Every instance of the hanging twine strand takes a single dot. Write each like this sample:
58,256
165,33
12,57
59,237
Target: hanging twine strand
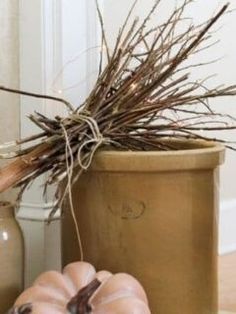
70,169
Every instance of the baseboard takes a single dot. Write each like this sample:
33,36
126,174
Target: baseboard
227,229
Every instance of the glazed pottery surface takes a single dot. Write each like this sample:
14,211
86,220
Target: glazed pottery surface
11,257
155,216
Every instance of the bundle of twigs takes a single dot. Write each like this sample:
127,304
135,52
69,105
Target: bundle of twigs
142,96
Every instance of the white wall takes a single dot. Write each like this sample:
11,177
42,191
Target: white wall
115,12
9,76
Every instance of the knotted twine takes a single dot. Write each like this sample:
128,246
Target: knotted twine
97,139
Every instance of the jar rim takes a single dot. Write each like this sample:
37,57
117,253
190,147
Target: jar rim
189,155
7,209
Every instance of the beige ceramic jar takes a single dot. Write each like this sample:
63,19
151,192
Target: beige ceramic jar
155,216
11,257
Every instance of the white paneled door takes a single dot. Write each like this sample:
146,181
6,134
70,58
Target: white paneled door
54,39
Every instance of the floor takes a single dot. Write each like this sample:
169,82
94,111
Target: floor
227,277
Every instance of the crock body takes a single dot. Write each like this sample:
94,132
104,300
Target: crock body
153,215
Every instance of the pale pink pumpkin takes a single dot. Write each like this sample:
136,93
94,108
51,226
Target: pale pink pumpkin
99,293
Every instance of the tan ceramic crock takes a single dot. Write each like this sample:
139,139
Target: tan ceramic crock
155,216
11,257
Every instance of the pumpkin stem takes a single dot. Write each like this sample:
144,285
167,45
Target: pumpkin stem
80,303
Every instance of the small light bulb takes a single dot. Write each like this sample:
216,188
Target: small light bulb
133,86
103,48
141,50
59,91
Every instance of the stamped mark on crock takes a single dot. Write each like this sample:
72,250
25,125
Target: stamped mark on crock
128,210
